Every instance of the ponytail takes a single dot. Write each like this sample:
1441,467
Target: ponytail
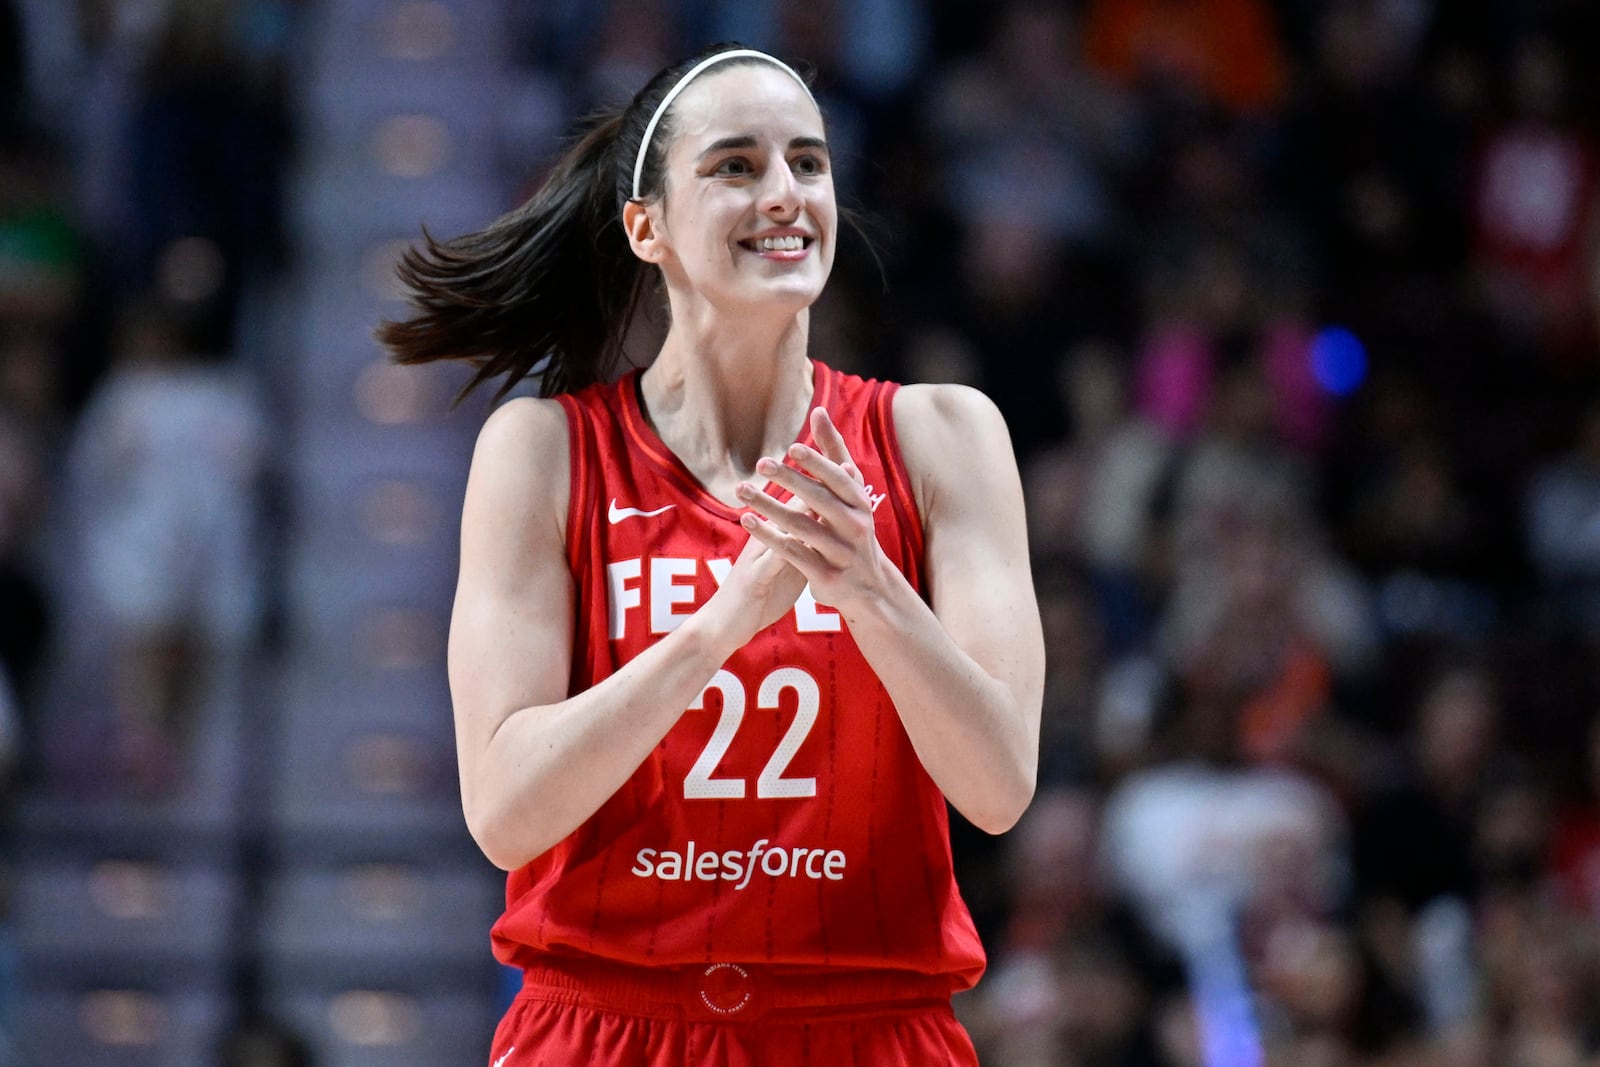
551,288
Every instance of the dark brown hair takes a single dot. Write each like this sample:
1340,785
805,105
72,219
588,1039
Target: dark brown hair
551,287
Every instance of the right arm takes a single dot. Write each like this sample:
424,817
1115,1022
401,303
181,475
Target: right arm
535,762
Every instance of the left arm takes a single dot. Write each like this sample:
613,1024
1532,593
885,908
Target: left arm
967,673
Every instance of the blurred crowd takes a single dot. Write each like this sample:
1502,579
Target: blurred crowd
140,171
1293,309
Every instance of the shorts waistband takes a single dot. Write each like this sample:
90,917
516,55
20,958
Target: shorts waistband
729,991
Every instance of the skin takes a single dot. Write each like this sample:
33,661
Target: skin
728,394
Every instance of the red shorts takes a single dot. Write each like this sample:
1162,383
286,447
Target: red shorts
727,1015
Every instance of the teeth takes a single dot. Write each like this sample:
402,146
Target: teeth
780,244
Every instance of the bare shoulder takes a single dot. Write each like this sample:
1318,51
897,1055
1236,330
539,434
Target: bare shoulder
520,463
950,433
943,408
524,423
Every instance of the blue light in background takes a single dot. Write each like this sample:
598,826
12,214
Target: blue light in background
1338,360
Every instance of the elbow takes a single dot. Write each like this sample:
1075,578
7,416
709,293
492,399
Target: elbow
504,859
1004,818
1005,808
1009,787
493,833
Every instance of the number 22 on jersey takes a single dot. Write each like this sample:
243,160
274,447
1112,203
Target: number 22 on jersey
701,782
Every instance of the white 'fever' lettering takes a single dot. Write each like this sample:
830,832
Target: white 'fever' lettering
619,595
667,591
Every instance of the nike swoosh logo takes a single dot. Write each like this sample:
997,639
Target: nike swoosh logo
501,1061
617,514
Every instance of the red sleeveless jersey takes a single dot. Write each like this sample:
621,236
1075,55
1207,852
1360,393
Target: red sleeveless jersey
784,819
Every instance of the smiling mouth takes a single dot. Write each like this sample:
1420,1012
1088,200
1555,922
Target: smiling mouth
792,243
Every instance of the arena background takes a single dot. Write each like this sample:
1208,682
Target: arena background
1292,308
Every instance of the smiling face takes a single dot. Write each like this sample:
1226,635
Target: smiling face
748,215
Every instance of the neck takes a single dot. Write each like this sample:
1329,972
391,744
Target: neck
722,397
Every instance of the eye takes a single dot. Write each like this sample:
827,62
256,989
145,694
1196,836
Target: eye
809,165
733,167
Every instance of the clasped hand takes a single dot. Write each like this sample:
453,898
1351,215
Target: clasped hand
826,529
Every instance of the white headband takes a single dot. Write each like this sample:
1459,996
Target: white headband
683,83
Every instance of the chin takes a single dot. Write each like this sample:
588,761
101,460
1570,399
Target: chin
799,292
769,300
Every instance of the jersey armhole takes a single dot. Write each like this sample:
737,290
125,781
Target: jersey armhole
901,497
580,461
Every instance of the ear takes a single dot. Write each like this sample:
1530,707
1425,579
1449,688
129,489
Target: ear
644,237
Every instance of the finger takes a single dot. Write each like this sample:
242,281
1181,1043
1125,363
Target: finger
789,516
830,501
837,478
785,546
752,547
829,440
761,556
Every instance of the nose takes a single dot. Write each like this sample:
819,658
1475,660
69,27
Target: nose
780,191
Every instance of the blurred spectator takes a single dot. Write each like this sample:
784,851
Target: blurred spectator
1376,146
1329,1001
176,116
1405,515
1074,651
1575,842
1027,134
95,107
1536,192
164,475
40,254
1259,611
1095,497
1004,307
1266,846
1208,332
1413,837
1541,970
1077,980
209,142
1226,52
1028,146
1511,836
1219,861
939,354
1562,517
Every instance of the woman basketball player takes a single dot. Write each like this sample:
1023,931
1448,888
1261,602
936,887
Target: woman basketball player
729,632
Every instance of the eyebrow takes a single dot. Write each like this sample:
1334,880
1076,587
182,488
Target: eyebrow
746,141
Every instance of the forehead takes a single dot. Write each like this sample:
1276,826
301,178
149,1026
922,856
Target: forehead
749,98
